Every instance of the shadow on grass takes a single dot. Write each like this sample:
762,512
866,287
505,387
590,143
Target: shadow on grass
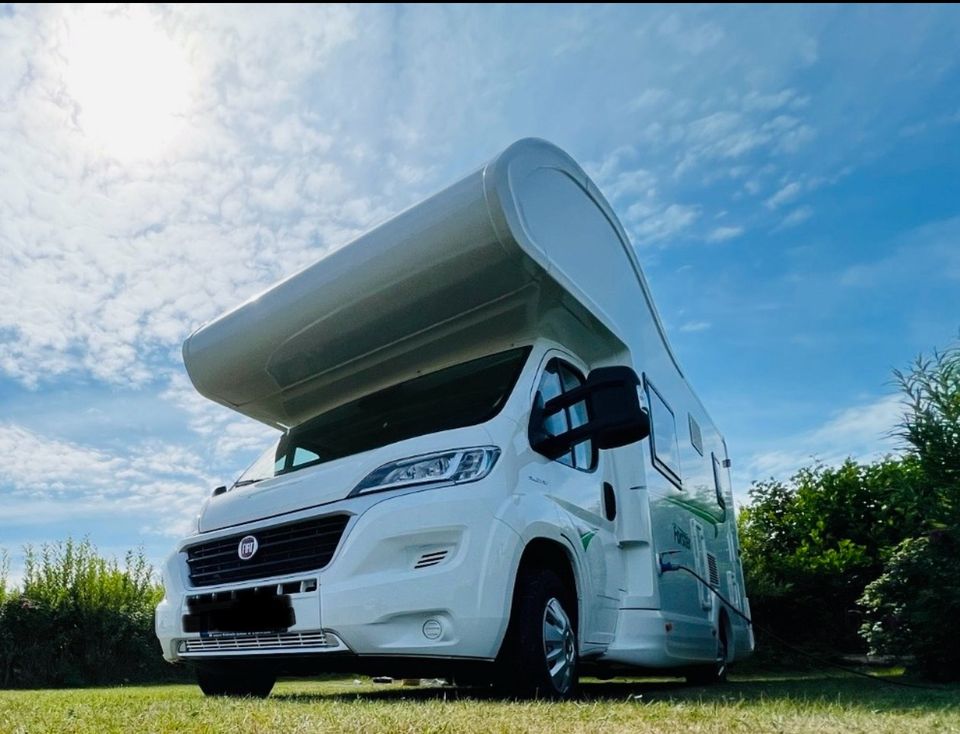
843,690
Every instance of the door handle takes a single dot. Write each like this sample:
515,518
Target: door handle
609,502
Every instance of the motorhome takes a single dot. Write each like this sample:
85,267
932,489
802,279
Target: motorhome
489,463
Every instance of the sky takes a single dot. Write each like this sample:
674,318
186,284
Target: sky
788,175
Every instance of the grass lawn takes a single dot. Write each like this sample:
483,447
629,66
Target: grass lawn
808,702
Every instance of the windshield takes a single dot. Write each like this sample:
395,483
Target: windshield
263,468
463,395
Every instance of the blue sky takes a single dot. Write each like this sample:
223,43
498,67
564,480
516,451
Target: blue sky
789,176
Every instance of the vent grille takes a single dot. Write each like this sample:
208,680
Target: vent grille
431,559
292,548
283,641
713,573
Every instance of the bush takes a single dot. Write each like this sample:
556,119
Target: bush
914,605
811,545
79,620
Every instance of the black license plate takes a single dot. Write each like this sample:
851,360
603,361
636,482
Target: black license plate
244,610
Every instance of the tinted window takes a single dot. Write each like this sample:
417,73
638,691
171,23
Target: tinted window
663,435
559,377
719,483
550,387
696,438
463,395
583,455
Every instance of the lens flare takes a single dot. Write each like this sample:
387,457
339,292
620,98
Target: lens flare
131,83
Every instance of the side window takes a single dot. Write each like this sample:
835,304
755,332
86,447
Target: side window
583,454
550,387
696,437
304,456
559,377
288,459
718,482
664,449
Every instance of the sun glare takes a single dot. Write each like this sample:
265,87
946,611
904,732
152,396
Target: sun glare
132,84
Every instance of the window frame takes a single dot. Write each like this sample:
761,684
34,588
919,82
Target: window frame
658,463
563,362
718,483
693,426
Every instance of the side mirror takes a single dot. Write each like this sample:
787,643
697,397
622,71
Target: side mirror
219,490
614,414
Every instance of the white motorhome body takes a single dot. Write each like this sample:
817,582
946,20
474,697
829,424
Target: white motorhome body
397,522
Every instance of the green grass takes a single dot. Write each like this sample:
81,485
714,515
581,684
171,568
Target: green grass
809,702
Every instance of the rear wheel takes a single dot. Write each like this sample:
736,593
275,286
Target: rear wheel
235,679
708,675
540,651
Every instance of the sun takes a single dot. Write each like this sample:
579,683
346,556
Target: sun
131,83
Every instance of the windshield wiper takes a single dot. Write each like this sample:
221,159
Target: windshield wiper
245,482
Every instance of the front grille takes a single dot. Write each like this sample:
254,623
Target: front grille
282,641
301,546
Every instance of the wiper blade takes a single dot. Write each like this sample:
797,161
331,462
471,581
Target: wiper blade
245,482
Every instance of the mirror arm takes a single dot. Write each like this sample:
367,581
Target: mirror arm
556,446
566,400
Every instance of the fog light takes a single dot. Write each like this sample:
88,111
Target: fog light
432,629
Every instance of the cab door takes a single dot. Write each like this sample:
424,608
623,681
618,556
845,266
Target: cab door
576,484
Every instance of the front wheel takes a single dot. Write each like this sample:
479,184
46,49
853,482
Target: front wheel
540,651
235,679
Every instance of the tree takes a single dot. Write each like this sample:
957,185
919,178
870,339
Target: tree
931,428
911,608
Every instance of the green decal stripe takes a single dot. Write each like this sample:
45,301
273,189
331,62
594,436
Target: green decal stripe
586,537
695,509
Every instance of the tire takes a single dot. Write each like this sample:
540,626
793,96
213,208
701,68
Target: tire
235,679
715,673
539,657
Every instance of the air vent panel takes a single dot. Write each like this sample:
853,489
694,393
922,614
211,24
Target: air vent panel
712,570
433,558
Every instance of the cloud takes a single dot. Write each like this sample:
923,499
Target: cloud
650,98
649,219
784,196
51,480
695,326
114,262
620,178
922,126
922,255
221,428
862,432
728,135
770,102
692,39
722,234
796,217
305,125
656,223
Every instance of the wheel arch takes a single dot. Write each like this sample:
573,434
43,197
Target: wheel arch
557,556
725,628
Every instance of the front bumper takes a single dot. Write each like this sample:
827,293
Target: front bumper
397,586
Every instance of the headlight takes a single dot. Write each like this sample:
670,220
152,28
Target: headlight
448,467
